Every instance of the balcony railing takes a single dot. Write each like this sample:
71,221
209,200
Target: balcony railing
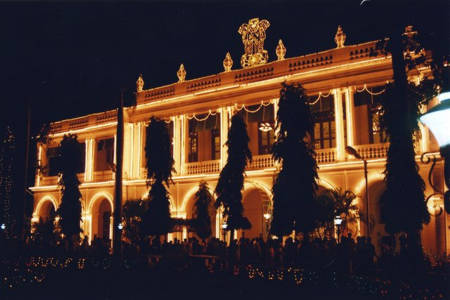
326,155
53,180
261,162
203,167
48,180
103,175
371,151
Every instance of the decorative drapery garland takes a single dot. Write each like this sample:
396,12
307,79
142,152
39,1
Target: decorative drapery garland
370,92
265,104
194,116
319,97
243,107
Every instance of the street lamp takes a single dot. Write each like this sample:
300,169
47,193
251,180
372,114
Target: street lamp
338,223
352,151
437,119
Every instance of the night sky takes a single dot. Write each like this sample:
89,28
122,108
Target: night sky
70,59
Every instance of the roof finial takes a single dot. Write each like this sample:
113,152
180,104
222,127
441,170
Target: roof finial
340,37
140,83
181,73
227,62
280,50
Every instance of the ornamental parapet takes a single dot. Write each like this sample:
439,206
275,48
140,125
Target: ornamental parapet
81,123
288,66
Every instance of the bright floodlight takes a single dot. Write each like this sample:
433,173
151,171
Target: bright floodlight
438,120
120,226
224,226
338,220
267,216
3,226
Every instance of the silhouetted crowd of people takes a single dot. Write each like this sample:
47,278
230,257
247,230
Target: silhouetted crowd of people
348,256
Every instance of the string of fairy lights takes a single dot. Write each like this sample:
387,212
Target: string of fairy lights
262,104
267,126
6,177
35,272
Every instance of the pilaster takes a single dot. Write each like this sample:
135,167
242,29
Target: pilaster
225,117
183,125
176,120
339,121
89,160
350,115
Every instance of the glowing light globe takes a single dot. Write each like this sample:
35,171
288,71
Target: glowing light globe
437,120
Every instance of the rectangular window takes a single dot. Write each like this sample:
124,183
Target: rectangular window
193,147
324,133
260,122
372,98
82,164
203,138
105,154
52,161
266,137
215,144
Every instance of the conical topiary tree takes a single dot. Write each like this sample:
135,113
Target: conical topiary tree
403,207
295,185
201,221
231,179
159,164
70,208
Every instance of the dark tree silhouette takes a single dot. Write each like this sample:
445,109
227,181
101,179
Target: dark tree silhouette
403,207
133,212
7,147
295,185
70,208
159,164
201,221
231,179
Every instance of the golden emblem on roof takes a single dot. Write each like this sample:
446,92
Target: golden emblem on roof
253,35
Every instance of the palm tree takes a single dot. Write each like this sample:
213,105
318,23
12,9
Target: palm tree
159,164
201,221
337,203
231,179
70,208
295,185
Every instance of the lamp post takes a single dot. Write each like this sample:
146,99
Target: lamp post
437,119
338,223
352,151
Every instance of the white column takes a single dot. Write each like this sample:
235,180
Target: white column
177,143
183,123
339,120
40,162
350,113
424,133
128,151
275,112
115,158
276,129
89,160
225,117
137,158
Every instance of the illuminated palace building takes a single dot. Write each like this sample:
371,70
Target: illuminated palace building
345,85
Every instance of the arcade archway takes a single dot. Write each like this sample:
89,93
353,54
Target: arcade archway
101,218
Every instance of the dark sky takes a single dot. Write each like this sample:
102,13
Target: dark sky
69,59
